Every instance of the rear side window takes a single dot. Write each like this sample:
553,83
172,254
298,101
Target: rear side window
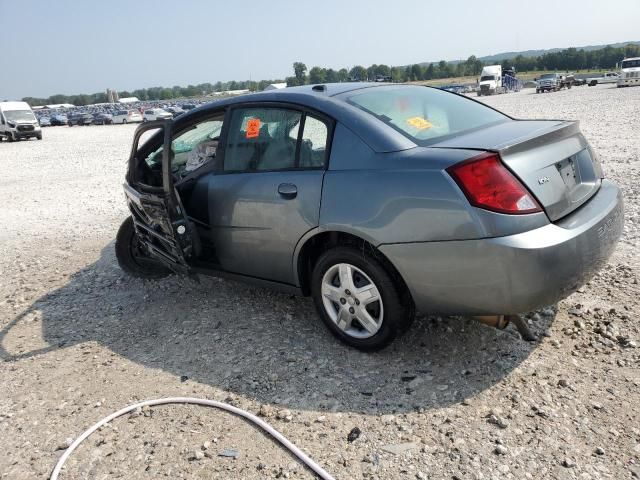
262,139
424,115
313,149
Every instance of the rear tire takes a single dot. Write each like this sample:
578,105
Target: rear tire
367,278
124,121
131,259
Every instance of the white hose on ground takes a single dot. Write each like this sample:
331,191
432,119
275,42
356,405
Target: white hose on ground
195,401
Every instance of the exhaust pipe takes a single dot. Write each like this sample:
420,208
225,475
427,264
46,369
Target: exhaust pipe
501,321
496,321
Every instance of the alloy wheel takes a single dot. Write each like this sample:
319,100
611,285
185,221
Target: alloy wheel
352,300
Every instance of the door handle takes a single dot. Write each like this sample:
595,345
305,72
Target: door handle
288,190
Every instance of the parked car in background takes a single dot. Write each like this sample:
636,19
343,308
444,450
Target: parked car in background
44,121
102,118
552,82
18,121
175,111
156,114
455,88
609,77
58,119
127,116
188,106
377,200
80,118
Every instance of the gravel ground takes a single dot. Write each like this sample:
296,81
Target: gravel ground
453,399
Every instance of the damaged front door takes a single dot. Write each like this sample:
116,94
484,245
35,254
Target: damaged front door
162,226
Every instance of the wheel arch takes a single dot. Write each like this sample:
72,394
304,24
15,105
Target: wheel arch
315,242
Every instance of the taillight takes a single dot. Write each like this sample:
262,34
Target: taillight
488,184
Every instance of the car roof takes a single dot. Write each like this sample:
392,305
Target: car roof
325,98
330,89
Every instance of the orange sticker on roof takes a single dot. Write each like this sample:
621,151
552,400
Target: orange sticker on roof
419,123
253,128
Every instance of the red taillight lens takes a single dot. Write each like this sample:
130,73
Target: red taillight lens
488,184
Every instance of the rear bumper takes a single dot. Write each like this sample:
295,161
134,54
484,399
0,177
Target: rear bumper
517,273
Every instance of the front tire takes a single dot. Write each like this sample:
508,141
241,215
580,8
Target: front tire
130,256
359,298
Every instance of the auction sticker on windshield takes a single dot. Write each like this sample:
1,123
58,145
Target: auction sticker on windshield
419,123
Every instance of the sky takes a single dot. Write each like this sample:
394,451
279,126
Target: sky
80,46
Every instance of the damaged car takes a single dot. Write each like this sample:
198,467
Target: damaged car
377,200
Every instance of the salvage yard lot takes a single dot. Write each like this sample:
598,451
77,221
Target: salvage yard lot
451,399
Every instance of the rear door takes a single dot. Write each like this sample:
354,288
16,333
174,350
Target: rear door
268,195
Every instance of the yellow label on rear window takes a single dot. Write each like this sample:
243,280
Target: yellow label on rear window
419,123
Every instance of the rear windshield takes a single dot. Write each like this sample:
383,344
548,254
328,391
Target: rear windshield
549,75
424,114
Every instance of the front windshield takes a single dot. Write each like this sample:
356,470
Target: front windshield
631,63
424,114
19,116
548,75
486,78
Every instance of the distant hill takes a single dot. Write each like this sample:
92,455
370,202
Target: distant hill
498,57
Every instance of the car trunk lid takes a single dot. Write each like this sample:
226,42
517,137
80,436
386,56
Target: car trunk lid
552,158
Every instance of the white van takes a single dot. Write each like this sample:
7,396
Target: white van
18,121
126,116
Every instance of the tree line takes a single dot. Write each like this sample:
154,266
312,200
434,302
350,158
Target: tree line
568,59
573,59
442,69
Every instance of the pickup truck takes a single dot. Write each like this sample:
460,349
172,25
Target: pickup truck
552,82
609,77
